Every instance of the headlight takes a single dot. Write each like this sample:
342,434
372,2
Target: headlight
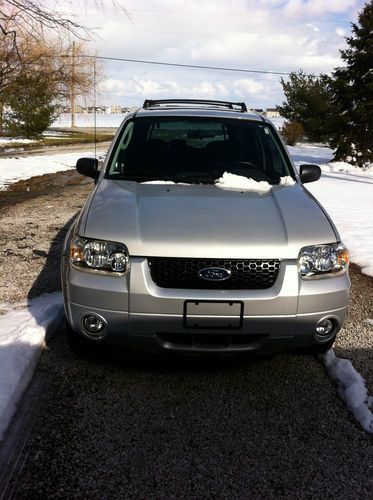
322,260
97,254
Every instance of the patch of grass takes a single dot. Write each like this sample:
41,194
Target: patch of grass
63,140
76,138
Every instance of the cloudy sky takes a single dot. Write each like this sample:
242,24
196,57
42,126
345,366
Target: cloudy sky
271,35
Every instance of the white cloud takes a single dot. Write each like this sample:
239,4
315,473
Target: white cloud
315,28
277,35
140,88
340,32
318,7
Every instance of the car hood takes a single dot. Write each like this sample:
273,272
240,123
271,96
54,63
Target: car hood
174,220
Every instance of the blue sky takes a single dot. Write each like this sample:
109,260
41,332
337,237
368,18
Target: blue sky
277,35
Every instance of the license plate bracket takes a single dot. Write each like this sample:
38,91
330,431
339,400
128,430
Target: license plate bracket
208,314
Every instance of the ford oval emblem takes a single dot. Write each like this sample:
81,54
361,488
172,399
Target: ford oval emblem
214,274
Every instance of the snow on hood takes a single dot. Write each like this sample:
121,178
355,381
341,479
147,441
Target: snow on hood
242,183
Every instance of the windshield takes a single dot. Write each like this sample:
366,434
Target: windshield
197,150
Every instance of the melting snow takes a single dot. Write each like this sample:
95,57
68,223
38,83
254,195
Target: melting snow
18,140
22,332
351,388
25,167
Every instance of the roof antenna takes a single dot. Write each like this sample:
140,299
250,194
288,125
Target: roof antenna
94,107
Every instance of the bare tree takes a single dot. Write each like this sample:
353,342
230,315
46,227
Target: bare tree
76,73
36,20
83,74
36,17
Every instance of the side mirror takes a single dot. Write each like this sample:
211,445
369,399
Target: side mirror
309,173
88,167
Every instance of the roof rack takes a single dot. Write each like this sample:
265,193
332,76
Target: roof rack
234,106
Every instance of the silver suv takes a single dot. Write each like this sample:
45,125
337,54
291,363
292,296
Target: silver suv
199,236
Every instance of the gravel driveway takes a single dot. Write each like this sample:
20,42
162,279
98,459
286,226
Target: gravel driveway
125,425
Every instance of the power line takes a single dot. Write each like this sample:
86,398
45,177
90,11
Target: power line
243,14
196,66
198,33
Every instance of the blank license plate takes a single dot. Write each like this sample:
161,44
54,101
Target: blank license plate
205,314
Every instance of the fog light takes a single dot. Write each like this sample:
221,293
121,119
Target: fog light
93,324
324,327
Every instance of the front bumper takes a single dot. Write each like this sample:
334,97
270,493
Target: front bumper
138,313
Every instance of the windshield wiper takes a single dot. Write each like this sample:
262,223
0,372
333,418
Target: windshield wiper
197,177
188,177
139,177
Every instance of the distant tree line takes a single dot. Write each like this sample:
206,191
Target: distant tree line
337,109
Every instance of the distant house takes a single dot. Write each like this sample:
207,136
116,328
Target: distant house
114,110
272,113
259,111
99,110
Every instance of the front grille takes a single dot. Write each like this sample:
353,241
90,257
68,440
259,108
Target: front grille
246,274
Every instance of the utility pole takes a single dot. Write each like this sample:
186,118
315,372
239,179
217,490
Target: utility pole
72,87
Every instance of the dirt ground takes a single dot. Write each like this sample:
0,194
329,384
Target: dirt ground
34,217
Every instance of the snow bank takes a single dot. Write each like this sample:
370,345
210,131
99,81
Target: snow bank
351,388
342,166
278,122
239,182
22,333
25,167
19,140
